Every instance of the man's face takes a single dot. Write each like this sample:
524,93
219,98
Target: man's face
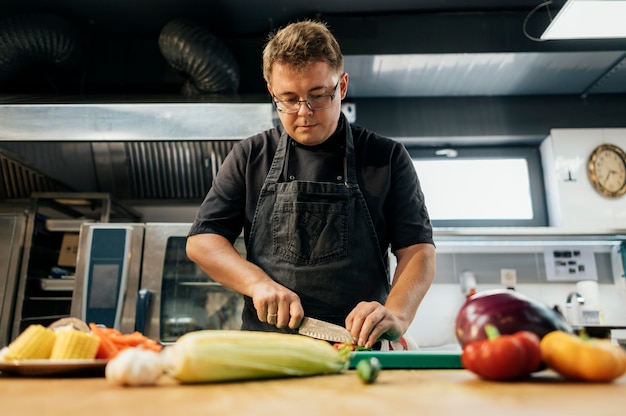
308,127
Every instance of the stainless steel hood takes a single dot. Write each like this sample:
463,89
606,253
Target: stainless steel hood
133,122
152,151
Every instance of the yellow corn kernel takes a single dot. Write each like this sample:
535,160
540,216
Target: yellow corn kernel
35,342
221,355
71,344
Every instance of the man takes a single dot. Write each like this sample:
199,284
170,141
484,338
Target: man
320,202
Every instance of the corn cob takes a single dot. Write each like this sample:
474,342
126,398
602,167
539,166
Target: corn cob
72,344
223,355
35,342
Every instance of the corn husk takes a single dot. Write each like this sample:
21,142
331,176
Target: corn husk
223,355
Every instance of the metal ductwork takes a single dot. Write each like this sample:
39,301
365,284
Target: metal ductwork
37,38
199,56
161,170
19,181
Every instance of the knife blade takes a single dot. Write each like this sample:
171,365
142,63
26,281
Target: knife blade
316,328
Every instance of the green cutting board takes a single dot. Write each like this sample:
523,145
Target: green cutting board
410,359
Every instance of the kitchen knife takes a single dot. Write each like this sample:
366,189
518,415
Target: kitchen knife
315,328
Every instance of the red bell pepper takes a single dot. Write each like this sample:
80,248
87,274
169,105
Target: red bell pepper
503,357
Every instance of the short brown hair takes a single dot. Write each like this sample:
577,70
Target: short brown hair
300,44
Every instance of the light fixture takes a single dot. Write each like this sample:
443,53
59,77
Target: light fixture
588,19
447,152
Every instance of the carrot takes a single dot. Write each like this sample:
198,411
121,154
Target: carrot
106,349
152,345
113,341
134,339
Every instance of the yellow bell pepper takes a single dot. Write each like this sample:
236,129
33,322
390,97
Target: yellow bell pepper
583,358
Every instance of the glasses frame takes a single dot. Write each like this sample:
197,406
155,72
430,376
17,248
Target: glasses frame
277,102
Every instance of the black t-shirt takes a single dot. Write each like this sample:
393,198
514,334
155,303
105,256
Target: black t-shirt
385,174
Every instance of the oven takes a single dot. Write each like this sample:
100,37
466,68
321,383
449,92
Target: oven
138,277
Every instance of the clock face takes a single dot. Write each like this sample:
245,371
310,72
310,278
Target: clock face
607,170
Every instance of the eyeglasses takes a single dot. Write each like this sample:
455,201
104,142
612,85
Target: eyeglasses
314,103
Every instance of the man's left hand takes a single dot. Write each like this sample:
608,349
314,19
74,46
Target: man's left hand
370,321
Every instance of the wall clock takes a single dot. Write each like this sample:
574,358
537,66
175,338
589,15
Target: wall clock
607,170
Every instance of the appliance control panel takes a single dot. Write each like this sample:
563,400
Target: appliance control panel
105,284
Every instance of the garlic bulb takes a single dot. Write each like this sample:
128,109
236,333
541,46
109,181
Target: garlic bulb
135,367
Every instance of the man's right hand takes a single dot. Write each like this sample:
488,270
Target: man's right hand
277,305
216,256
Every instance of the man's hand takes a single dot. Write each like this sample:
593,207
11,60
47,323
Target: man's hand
216,256
277,305
414,273
370,321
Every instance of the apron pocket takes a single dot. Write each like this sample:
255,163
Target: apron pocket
309,233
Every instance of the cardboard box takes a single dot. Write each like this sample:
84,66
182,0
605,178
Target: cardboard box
69,250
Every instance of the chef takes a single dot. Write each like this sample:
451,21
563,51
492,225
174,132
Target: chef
320,202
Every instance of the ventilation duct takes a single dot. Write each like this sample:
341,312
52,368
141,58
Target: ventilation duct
167,170
196,54
37,38
161,170
19,181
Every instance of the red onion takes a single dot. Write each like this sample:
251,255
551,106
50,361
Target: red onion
507,310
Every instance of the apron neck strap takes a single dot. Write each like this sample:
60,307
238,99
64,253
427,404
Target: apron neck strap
278,163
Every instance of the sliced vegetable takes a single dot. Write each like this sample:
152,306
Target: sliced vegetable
368,369
349,346
503,357
35,342
107,349
72,344
583,358
113,341
224,355
69,321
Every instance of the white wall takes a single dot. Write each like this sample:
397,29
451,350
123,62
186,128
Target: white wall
574,203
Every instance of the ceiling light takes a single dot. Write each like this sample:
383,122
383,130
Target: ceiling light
588,19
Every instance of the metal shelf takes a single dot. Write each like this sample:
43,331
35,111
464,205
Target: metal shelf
82,206
68,226
528,236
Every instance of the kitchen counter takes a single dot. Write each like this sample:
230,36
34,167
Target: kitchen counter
396,392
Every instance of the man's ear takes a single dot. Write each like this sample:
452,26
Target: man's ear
344,90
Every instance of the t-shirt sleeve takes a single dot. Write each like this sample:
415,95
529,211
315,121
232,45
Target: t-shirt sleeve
222,211
409,221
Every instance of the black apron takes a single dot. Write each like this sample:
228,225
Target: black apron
317,239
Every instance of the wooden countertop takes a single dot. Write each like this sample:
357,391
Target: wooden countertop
396,392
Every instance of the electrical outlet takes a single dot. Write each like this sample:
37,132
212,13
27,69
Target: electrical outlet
508,277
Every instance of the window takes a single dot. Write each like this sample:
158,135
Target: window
482,187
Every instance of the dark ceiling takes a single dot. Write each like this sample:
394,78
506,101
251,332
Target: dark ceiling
452,46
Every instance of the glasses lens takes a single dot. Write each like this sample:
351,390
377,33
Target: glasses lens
320,103
289,106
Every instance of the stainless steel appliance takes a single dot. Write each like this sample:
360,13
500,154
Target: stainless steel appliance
108,266
142,280
12,232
